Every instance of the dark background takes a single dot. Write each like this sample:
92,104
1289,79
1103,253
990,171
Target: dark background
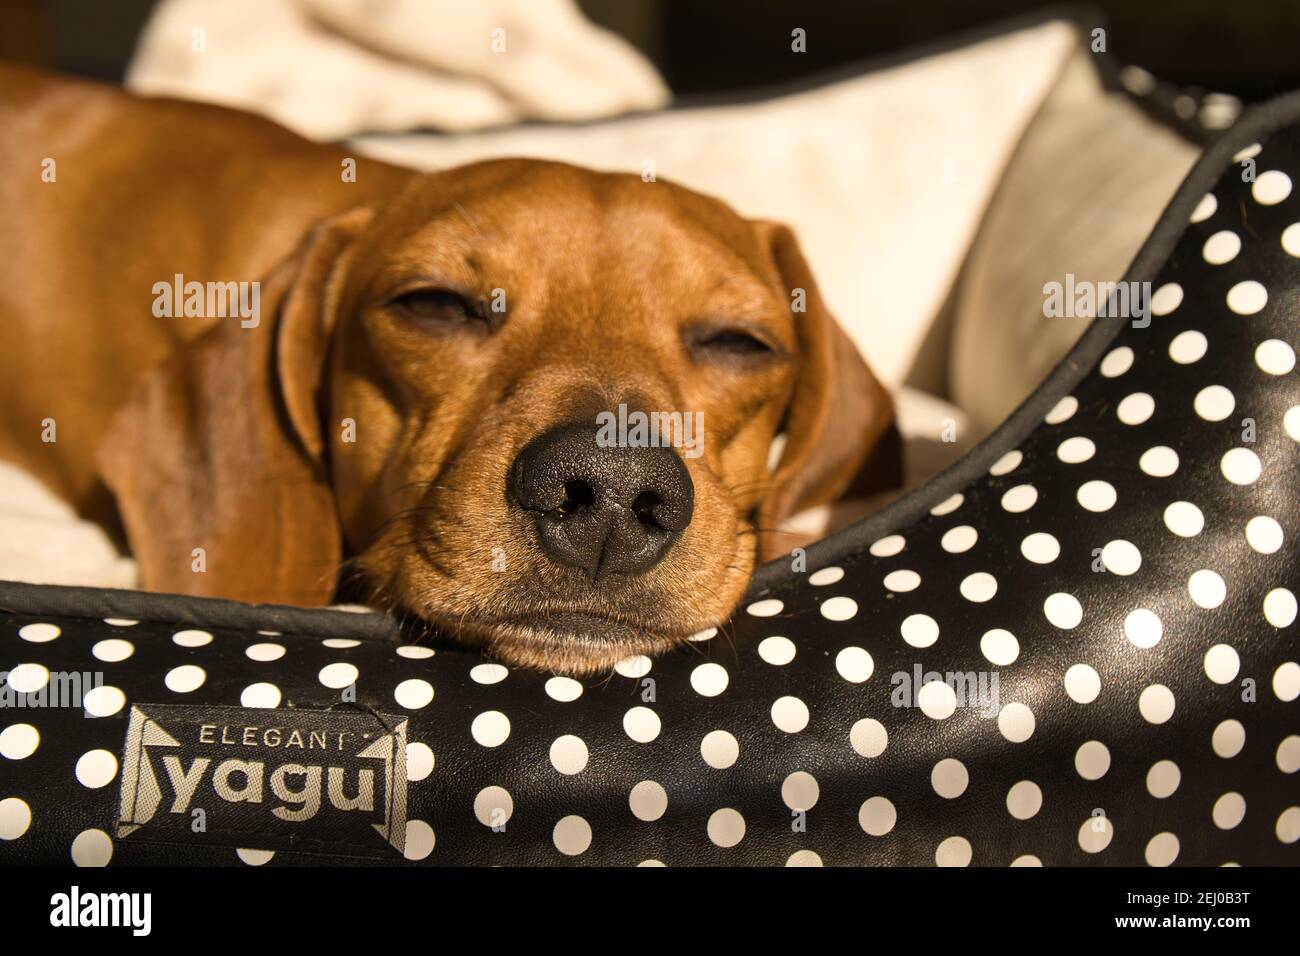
1247,47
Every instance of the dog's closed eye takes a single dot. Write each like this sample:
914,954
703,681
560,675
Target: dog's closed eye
726,343
443,309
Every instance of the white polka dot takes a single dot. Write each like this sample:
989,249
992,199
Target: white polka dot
708,634
1206,589
1280,607
1027,859
959,540
1221,663
839,608
868,737
826,576
1121,557
572,835
709,680
1166,298
937,700
1000,647
1143,628
493,806
1040,548
1082,683
414,652
979,587
887,547
264,652
1247,298
1286,682
103,701
184,679
1247,153
120,622
1228,739
419,761
1188,347
19,741
92,848
790,714
569,754
1136,408
1007,463
652,863
1020,498
854,664
719,749
1117,362
96,768
1063,610
15,818
726,827
254,857
413,694
1214,403
767,608
648,801
1159,462
804,858
340,643
488,673
1062,411
1076,450
919,630
642,724
1229,810
1156,704
1275,357
1162,850
39,633
338,675
1184,519
564,689
799,791
1288,754
877,816
28,678
1016,723
1271,187
490,728
420,840
777,650
113,650
902,580
192,638
1092,760
954,851
1288,825
635,667
1163,779
1024,800
260,695
1291,239
1096,496
949,778
1205,208
948,505
1221,247
1095,834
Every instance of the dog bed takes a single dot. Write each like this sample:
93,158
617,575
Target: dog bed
1076,646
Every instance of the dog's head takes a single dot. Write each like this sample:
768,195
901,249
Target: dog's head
533,403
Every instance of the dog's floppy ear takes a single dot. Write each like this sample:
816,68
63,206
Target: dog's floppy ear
839,425
220,448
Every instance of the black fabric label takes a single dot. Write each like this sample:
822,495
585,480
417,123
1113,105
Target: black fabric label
323,781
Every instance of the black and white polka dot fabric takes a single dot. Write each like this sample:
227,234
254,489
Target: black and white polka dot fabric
1079,647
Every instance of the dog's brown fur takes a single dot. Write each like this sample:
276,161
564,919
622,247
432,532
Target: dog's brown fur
200,433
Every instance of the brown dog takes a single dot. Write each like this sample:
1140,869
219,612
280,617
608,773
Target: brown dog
415,393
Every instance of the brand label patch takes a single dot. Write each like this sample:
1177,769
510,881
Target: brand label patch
310,780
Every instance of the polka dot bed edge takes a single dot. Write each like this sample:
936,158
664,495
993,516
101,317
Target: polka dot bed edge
1078,647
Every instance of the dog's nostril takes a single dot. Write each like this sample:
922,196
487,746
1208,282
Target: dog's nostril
578,494
643,507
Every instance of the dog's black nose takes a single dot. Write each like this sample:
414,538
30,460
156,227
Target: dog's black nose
602,509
